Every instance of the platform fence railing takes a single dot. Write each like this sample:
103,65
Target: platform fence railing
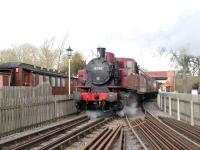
29,107
185,107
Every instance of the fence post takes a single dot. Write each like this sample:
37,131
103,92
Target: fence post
158,100
178,108
161,102
22,114
191,112
165,106
170,106
55,107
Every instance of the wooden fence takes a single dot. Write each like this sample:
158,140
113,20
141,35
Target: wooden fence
27,107
185,107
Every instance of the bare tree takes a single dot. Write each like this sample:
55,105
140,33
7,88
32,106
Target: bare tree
7,55
22,53
195,65
26,53
47,54
60,52
182,60
93,53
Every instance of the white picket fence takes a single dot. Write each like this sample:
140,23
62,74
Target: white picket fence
27,107
185,107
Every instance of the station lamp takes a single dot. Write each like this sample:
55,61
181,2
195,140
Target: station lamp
69,54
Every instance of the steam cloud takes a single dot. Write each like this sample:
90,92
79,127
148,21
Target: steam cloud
97,113
131,108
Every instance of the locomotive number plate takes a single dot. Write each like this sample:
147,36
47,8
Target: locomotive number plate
98,68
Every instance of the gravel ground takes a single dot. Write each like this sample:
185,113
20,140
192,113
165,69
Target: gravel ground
131,140
64,134
153,108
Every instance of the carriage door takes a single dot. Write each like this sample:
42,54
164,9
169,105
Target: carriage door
1,80
4,80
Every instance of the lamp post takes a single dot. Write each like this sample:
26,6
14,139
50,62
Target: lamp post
69,54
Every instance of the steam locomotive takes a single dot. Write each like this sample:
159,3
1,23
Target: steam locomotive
107,81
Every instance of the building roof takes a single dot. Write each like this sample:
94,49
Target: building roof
37,69
156,74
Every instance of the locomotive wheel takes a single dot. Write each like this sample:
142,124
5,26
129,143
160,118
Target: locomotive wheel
116,106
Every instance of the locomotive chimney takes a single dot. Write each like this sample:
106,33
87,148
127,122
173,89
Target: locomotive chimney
101,51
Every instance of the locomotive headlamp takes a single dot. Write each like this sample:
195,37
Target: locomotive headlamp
69,54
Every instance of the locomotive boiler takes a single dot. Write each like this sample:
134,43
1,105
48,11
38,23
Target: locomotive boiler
106,82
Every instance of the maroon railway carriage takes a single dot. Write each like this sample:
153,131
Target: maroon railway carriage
107,81
21,74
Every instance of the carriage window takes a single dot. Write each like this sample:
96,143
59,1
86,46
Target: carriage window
47,79
129,66
58,82
1,80
63,82
33,79
50,79
26,79
53,81
44,78
40,79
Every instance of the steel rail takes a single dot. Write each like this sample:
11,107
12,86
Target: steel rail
157,137
61,142
186,130
170,141
47,136
171,129
37,136
110,141
95,141
148,137
135,134
122,144
106,140
175,139
182,124
176,132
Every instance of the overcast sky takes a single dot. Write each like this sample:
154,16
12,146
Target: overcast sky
129,28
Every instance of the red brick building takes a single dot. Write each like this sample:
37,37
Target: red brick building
165,77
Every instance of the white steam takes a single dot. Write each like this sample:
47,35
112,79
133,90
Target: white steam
131,108
97,113
128,110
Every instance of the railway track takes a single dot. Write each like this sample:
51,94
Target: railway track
106,137
139,143
160,136
64,135
184,128
111,133
115,134
28,141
